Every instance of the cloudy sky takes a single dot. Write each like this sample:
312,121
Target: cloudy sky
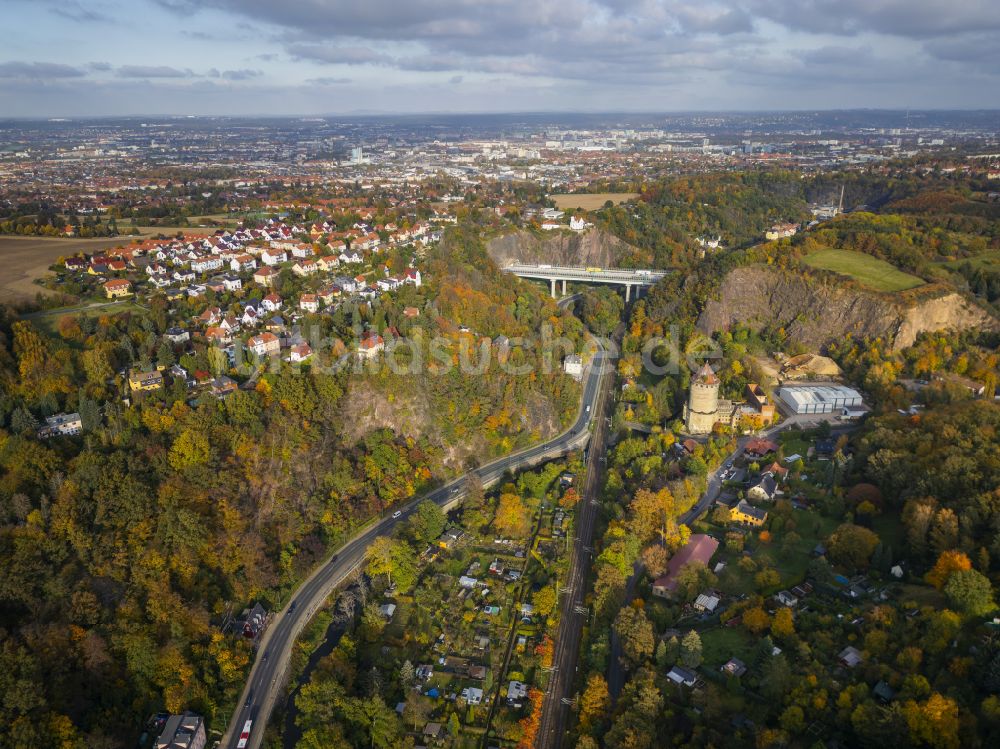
115,57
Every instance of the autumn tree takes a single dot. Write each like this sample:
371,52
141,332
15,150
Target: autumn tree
756,620
947,562
512,519
569,498
594,701
783,623
655,560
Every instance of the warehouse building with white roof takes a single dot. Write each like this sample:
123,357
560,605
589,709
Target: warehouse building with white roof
819,399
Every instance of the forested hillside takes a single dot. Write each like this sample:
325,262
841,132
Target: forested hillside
123,548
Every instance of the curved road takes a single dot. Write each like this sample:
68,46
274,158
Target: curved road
267,677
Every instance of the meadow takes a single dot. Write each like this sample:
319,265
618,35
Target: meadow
865,269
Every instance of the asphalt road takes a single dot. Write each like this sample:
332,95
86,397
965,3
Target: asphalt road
267,677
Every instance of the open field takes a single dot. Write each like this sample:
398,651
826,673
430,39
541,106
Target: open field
48,320
27,258
191,231
865,269
592,201
989,259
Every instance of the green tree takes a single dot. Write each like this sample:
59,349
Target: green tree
971,592
690,654
852,546
427,522
636,634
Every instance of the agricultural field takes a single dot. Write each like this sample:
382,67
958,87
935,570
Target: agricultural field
592,201
28,258
865,269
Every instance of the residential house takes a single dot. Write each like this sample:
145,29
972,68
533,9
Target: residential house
850,656
210,316
265,344
370,345
243,263
265,277
780,231
328,293
699,548
759,447
733,667
271,303
300,353
223,386
305,268
217,334
252,621
206,264
682,676
472,695
64,425
763,488
328,263
232,283
309,303
185,731
141,381
117,287
747,514
272,257
516,691
177,336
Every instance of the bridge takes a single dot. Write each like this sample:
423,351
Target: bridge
618,276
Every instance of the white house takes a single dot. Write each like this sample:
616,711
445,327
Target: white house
273,257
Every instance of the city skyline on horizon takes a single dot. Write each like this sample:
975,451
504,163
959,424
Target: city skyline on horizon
333,58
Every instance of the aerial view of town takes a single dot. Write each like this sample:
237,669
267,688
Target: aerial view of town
500,376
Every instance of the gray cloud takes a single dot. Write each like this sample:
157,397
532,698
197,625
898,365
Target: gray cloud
905,18
337,55
244,74
38,70
151,71
327,81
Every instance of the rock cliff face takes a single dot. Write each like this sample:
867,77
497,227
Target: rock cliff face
590,248
818,311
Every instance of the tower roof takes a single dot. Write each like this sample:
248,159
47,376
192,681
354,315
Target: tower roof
706,375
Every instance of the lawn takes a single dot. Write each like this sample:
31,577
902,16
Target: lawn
722,643
872,272
591,201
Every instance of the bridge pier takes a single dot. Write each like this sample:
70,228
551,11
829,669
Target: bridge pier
564,287
552,285
628,293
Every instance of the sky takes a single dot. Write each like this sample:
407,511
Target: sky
64,58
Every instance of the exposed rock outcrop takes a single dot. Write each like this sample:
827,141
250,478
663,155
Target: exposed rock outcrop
593,247
816,311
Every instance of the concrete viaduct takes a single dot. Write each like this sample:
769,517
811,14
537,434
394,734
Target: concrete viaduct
619,276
